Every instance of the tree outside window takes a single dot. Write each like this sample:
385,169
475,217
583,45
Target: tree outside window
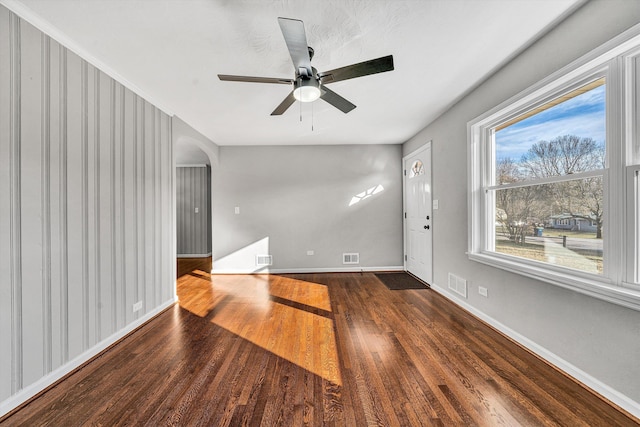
548,192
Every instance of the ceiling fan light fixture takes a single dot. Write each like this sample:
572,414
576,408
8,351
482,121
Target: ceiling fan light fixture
306,93
307,90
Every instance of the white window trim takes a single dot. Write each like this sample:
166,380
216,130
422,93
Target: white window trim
548,180
619,282
632,241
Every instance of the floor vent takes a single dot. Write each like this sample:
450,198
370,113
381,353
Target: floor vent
262,260
458,285
352,258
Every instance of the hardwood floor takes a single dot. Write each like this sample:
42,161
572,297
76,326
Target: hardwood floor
185,266
314,349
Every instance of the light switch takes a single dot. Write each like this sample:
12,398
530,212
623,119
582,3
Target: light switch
237,210
435,204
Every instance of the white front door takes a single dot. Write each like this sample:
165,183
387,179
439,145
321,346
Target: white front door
418,224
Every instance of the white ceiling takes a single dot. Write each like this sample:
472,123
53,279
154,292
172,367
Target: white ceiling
172,51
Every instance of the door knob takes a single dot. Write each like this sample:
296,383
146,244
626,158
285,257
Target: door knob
426,227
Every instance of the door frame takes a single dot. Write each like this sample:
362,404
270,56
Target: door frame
424,147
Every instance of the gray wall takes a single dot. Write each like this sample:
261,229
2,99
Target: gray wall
295,199
193,190
86,207
599,338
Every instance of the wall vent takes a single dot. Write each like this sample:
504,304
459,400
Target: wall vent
262,260
458,285
352,258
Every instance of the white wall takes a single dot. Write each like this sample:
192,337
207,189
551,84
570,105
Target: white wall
599,339
86,210
295,199
185,135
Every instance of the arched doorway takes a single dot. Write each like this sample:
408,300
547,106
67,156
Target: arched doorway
195,156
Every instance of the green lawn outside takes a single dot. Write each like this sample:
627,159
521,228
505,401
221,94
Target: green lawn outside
557,255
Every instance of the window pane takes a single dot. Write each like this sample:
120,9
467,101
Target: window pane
564,136
559,223
417,169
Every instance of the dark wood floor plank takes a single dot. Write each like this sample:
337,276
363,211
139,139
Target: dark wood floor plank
510,374
315,350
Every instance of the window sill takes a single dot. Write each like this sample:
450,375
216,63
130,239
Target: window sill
587,284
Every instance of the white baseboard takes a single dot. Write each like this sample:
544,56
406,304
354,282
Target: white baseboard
596,385
307,270
31,390
193,255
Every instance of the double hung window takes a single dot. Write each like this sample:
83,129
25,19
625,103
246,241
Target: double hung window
554,185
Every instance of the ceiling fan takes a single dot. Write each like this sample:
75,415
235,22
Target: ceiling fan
308,84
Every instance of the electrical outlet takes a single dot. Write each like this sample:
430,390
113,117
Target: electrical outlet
483,291
310,253
137,306
197,210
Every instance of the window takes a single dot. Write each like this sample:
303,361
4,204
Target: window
549,163
553,171
416,169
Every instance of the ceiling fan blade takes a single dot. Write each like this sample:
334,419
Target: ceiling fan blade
373,66
249,79
296,40
336,100
284,105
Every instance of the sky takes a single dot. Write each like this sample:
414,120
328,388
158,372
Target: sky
583,115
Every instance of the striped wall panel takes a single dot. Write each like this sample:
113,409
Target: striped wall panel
86,202
193,190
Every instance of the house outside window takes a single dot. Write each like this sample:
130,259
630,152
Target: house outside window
554,173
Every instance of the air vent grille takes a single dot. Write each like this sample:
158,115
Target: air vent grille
458,285
351,258
262,260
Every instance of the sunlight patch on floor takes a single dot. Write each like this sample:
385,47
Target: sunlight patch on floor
283,328
195,293
307,293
